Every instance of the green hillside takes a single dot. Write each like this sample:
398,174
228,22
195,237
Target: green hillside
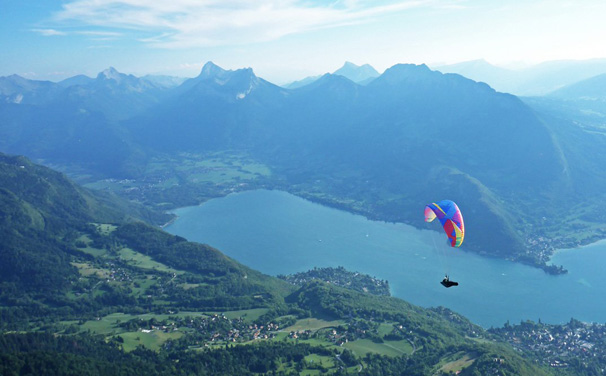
84,295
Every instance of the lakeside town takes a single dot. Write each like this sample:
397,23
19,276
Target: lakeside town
575,343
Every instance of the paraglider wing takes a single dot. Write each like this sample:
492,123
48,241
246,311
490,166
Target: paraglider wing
451,219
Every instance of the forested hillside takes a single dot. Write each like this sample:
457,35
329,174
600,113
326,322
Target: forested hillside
88,297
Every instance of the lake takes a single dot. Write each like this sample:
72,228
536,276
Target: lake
278,233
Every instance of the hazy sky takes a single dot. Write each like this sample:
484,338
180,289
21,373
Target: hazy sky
286,40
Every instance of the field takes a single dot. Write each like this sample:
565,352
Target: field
358,346
152,340
220,168
87,270
188,179
109,324
144,262
313,324
247,315
84,245
457,362
387,348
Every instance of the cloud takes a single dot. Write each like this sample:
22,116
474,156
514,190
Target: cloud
195,23
49,32
104,35
107,34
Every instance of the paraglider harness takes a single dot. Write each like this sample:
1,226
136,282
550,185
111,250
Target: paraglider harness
446,282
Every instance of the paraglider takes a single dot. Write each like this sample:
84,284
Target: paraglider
452,221
446,282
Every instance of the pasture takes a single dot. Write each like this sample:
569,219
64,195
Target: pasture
387,348
313,324
144,262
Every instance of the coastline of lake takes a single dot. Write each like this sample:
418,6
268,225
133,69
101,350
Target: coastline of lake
278,233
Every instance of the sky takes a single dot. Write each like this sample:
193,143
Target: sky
287,40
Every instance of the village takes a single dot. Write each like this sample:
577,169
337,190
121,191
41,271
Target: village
559,345
218,329
341,277
204,331
339,335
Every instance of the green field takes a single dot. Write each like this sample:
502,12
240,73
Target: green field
322,362
152,340
388,348
219,168
171,171
248,315
86,270
384,329
97,252
104,228
110,324
457,362
144,262
313,324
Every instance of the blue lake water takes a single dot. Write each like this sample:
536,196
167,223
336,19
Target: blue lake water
278,233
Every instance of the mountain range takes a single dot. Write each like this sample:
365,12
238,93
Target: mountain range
384,148
359,74
535,80
77,263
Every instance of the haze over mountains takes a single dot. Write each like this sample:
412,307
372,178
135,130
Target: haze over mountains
390,143
358,74
534,80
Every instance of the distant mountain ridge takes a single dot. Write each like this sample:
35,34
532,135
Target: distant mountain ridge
19,90
116,95
433,134
410,136
535,80
359,74
211,108
593,88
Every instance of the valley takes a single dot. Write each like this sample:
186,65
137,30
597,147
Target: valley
302,188
191,179
124,294
124,289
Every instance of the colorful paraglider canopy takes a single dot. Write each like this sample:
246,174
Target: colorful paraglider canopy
451,218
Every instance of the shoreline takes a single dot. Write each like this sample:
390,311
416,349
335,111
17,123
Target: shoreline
547,267
171,221
577,248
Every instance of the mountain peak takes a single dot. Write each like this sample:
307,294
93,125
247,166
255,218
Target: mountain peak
357,73
16,79
110,74
210,70
401,72
333,79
